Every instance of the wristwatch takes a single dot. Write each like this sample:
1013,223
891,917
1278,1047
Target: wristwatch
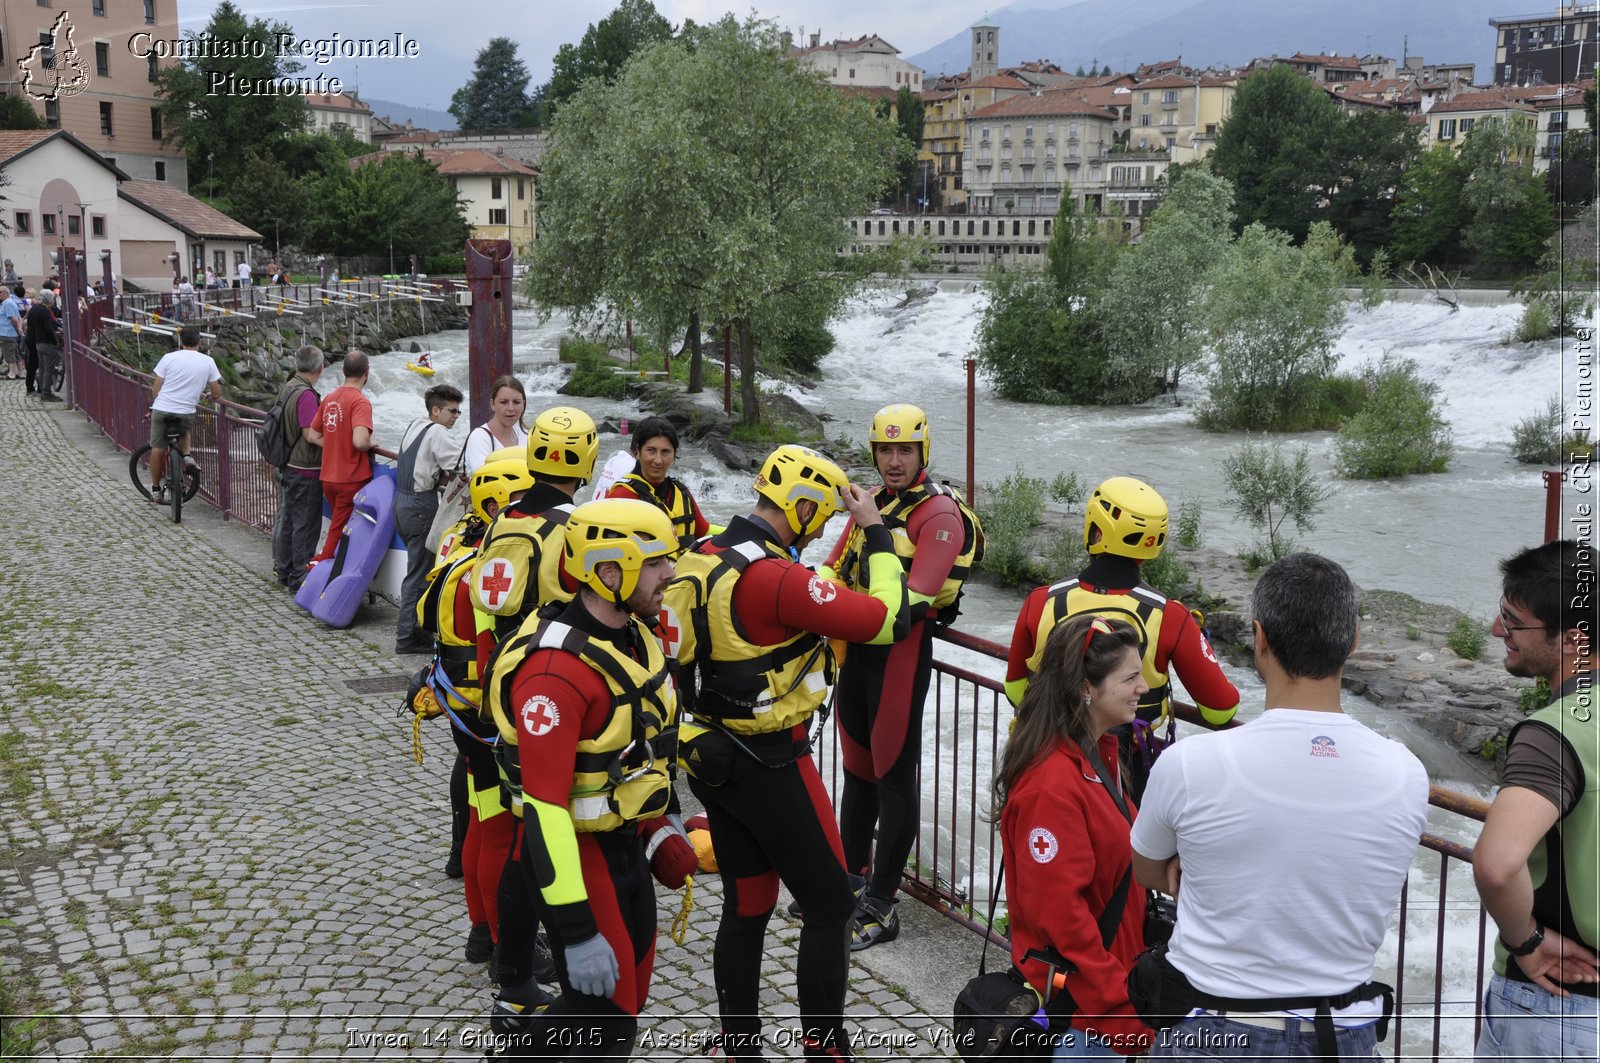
1533,942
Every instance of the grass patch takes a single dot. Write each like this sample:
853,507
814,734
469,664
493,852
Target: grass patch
592,373
285,721
32,683
17,767
766,435
1468,638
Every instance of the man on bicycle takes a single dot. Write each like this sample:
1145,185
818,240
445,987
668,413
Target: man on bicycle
182,376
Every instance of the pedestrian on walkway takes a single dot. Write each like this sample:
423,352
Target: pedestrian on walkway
44,332
11,332
754,624
294,534
1537,863
343,429
426,457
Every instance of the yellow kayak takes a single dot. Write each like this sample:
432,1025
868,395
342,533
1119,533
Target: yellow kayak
424,370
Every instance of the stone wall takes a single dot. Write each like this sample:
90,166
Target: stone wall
256,356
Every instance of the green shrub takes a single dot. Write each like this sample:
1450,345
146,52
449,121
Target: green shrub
1537,322
1009,511
799,346
1534,697
1067,489
1186,523
1343,396
1536,440
1400,430
1167,573
1066,555
1266,489
1467,639
593,370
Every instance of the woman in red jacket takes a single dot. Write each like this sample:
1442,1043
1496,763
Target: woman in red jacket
1065,837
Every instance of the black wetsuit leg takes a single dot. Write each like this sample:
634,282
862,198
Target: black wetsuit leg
767,824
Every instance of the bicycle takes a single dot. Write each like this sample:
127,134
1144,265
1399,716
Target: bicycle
182,479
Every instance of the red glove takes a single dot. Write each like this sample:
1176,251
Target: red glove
671,856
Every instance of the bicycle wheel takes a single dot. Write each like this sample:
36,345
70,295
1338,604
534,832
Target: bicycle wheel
175,484
138,464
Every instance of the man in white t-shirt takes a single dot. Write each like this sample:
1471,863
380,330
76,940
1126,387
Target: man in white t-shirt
1290,837
182,376
244,274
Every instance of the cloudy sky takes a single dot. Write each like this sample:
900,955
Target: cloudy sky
450,32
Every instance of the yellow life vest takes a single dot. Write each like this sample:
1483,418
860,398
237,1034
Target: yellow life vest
453,541
1141,606
621,774
680,511
896,516
436,614
519,566
745,687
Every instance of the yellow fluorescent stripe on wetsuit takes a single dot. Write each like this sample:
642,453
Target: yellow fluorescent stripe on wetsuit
557,871
1015,688
1216,717
886,581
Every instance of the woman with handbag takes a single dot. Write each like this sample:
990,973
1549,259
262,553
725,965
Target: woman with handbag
1077,921
504,428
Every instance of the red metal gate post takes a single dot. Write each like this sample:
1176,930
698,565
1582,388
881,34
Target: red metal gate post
727,369
489,278
224,428
1553,480
972,430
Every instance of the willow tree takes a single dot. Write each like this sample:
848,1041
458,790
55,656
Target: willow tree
711,181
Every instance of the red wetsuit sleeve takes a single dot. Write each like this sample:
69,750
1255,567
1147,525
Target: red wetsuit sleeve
701,525
1186,649
465,616
1024,634
936,531
838,547
776,599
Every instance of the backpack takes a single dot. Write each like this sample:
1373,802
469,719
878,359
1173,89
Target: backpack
272,438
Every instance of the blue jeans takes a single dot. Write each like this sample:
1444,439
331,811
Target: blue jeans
1522,1021
1213,1037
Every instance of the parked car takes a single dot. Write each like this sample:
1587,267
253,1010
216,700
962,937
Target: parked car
883,210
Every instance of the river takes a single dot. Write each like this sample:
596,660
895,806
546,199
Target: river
1436,537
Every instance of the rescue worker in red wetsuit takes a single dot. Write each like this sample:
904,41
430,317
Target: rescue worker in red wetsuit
518,570
587,716
881,688
753,624
1125,524
445,611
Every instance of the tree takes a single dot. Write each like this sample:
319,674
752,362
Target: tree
1510,215
1156,317
17,113
397,199
219,129
1374,150
1279,148
908,111
1570,180
496,97
605,47
266,196
1266,489
1429,216
1399,429
1275,311
664,194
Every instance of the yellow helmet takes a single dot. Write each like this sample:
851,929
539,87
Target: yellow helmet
563,444
503,473
794,474
902,423
1127,518
624,530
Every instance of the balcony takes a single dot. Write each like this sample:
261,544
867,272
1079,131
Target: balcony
1169,105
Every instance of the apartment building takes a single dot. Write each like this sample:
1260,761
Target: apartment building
89,67
1551,48
868,62
1179,114
1450,121
331,112
1022,150
496,191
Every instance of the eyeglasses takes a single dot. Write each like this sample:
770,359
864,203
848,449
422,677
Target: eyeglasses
453,411
1508,622
1096,626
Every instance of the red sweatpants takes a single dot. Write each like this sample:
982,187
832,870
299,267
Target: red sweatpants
342,500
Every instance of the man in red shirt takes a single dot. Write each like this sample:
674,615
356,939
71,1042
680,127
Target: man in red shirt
343,429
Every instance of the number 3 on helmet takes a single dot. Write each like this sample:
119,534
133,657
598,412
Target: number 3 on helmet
1127,518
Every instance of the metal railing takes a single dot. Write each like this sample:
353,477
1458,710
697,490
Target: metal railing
956,858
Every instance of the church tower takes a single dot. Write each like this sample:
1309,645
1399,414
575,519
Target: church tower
985,50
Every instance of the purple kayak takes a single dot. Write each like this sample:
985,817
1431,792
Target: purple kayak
333,589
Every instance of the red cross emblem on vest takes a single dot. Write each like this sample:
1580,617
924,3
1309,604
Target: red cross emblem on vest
495,581
539,715
1042,845
669,632
892,431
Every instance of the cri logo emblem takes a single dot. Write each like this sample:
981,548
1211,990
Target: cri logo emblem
49,74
